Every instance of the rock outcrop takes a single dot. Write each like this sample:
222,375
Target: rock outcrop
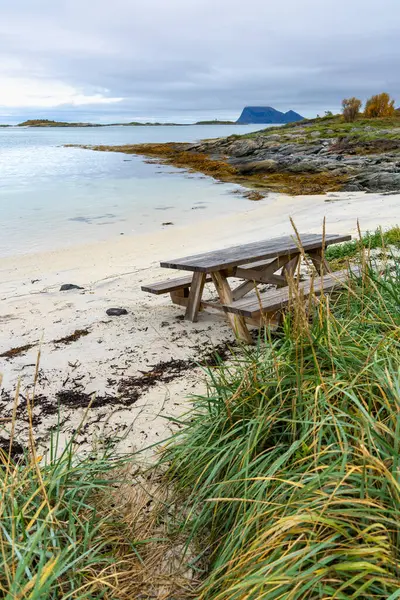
359,163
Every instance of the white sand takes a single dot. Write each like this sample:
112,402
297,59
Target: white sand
117,348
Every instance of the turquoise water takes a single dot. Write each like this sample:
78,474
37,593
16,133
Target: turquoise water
52,197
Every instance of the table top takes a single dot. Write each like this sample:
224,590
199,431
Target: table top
245,253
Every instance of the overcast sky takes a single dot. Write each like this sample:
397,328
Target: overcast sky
183,60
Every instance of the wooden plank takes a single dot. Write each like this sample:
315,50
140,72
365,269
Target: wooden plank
256,251
278,280
274,300
266,274
204,304
237,323
320,263
242,289
195,294
180,297
169,285
259,264
289,270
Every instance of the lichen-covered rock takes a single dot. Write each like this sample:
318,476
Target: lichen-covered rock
261,166
243,147
379,181
306,167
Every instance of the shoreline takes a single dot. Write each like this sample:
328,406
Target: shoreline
85,352
307,157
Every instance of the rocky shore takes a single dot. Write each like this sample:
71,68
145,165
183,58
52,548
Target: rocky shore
310,157
363,156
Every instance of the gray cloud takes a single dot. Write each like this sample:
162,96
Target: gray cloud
185,59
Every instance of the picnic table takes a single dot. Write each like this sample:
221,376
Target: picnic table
271,261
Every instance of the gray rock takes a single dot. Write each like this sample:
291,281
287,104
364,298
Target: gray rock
315,150
243,147
70,286
354,187
315,134
116,312
380,181
289,150
260,166
304,167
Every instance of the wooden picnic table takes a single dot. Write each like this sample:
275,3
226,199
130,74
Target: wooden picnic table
255,263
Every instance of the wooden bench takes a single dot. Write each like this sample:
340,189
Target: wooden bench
182,283
170,285
179,288
274,300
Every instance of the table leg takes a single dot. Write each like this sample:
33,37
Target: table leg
289,269
243,289
321,264
195,294
237,322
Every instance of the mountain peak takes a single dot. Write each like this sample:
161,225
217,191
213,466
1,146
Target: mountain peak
267,115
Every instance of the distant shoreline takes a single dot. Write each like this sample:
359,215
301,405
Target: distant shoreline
250,115
48,124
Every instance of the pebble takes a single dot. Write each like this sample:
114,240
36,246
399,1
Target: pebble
116,312
70,286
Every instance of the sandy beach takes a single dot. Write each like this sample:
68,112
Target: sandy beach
138,368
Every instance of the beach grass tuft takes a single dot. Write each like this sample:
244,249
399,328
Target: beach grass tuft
81,525
388,240
290,464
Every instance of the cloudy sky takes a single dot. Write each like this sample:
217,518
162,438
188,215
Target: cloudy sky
184,60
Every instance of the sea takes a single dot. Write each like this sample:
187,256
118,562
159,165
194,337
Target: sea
53,196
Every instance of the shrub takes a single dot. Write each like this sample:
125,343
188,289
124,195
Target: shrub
351,109
381,105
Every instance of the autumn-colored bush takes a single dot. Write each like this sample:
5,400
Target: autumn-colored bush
351,109
381,105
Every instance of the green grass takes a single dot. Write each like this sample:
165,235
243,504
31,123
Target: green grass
84,526
335,127
371,240
53,536
288,469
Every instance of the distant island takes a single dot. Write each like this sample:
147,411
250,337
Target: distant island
215,122
267,115
48,123
250,115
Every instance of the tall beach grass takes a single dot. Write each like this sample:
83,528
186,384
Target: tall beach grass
77,525
289,466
